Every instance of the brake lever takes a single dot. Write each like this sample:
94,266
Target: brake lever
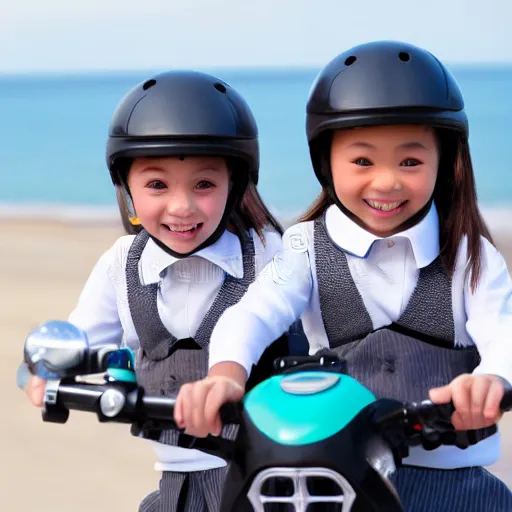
431,416
431,426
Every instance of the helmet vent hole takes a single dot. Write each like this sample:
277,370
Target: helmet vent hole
148,84
350,60
221,88
404,56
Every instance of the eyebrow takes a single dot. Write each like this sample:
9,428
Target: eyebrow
154,169
405,145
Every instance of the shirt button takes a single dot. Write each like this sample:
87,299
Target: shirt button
391,243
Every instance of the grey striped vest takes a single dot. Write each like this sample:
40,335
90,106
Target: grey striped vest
163,362
403,360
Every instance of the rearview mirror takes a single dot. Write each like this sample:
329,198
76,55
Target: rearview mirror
57,347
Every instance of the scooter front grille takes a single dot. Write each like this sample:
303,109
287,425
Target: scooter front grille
300,490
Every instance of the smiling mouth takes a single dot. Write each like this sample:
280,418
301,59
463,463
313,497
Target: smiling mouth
183,228
384,207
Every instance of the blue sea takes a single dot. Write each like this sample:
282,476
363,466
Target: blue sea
53,132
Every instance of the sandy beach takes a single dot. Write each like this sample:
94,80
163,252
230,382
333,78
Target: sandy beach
83,465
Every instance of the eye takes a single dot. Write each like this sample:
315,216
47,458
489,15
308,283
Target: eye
204,184
410,162
156,184
363,162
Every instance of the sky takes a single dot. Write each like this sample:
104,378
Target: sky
64,35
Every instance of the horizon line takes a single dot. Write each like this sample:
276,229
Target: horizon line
244,68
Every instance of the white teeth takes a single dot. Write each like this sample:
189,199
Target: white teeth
182,228
385,207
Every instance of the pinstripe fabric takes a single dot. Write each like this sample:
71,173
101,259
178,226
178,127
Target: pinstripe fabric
196,491
164,363
459,490
390,363
397,366
428,312
154,338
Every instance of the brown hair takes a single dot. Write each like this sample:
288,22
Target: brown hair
251,212
455,198
457,204
320,150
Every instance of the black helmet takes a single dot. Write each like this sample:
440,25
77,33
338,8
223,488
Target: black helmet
182,113
383,83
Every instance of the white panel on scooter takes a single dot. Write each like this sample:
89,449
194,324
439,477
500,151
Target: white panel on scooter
308,383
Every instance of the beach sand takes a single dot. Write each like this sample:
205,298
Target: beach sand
82,465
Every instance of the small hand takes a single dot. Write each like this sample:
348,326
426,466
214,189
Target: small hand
476,399
35,390
198,404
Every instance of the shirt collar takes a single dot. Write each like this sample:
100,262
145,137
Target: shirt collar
349,236
226,253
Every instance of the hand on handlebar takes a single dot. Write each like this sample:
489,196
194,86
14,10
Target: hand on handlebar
198,404
35,390
476,399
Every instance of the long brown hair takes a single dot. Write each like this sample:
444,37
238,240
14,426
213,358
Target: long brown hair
320,151
455,198
251,212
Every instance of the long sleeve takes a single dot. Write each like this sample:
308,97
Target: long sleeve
272,303
489,315
96,312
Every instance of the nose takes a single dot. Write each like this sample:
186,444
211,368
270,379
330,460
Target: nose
180,203
386,180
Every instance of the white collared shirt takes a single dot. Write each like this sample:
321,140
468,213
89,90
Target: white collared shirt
385,272
187,289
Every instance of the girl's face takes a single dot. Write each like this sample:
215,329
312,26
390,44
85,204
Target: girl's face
179,201
384,174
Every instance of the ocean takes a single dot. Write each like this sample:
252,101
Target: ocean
53,132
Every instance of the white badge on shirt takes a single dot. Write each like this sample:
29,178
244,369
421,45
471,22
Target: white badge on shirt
298,243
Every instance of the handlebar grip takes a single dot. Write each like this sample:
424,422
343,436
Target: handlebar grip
506,401
161,408
230,413
428,409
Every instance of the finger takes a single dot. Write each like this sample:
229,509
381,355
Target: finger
35,391
34,383
198,423
186,405
458,421
461,398
492,412
178,410
478,392
441,395
216,426
38,397
217,397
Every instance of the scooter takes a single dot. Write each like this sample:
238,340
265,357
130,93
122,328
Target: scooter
311,438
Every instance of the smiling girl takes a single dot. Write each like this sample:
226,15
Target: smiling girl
183,150
393,269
